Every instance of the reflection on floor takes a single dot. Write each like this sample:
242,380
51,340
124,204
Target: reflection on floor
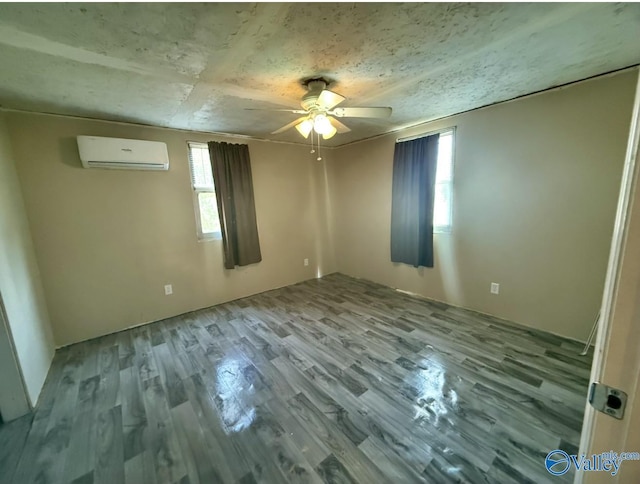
334,380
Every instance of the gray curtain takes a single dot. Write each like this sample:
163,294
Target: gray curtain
236,206
414,175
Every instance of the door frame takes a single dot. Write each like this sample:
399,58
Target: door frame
14,401
618,315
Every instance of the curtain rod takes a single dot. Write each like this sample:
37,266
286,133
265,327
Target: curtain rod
427,133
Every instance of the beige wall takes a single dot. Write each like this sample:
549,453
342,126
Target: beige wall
535,189
107,241
20,287
536,182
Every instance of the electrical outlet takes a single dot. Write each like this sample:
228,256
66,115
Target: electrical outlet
168,290
495,288
306,262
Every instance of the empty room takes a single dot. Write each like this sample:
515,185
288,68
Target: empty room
319,242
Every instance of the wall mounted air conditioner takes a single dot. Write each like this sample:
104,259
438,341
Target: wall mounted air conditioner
127,154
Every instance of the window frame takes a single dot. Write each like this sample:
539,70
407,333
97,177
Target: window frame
196,191
447,229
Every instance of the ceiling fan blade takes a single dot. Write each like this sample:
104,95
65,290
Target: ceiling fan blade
341,128
295,111
328,99
362,112
289,126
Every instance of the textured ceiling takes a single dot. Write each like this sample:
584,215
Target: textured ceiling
198,66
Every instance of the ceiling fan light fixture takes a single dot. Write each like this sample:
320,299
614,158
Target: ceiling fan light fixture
305,127
329,134
322,125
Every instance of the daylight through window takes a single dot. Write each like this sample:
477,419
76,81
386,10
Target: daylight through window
442,205
204,194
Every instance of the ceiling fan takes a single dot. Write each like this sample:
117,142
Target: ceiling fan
320,112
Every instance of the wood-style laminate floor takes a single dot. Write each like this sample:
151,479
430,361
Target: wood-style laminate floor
334,380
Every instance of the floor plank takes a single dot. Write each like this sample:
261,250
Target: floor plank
13,436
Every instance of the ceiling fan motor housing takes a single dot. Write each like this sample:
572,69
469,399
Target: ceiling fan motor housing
310,99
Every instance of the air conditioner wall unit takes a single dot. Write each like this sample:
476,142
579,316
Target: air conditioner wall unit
123,154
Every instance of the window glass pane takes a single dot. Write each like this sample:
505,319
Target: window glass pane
201,167
444,170
442,205
208,213
444,182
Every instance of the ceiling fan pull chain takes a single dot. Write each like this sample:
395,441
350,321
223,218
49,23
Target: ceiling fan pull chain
319,157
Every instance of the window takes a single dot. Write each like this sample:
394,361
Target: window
204,192
442,210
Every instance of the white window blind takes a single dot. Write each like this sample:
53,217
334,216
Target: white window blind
201,173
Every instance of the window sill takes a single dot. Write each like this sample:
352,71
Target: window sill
209,237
